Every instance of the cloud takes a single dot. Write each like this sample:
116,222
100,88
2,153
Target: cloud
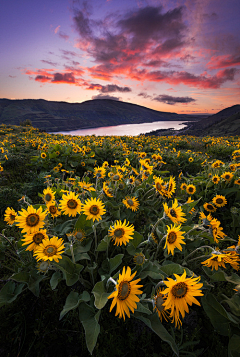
54,64
101,96
109,88
63,35
168,99
144,95
224,61
64,78
57,29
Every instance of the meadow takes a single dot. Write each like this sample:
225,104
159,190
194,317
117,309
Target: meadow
119,246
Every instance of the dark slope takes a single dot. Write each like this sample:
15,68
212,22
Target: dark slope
226,122
61,116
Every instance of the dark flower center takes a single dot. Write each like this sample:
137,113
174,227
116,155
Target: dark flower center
94,210
119,233
38,237
124,290
48,197
50,250
130,202
179,290
32,219
219,201
159,303
72,204
53,209
173,213
172,236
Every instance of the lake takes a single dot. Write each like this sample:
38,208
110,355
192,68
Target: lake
126,129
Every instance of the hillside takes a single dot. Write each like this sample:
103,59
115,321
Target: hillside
225,122
61,116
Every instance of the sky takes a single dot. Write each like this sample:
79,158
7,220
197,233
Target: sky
179,56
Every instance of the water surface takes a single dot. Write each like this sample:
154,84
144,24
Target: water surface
126,129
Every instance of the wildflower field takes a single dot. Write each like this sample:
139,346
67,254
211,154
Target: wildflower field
119,246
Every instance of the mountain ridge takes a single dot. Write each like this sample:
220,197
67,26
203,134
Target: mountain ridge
63,116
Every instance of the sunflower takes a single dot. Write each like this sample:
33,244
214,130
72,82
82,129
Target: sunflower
10,216
215,179
159,299
117,176
50,249
190,159
131,180
174,238
131,202
183,186
216,230
53,210
191,189
121,232
99,172
43,155
108,191
94,209
181,293
216,260
34,239
86,186
219,201
171,187
227,176
30,220
175,213
49,195
70,204
139,258
78,234
159,185
125,294
209,207
237,182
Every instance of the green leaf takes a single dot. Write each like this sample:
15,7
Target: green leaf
79,248
173,268
65,227
32,279
143,309
10,292
137,239
155,325
115,262
72,302
220,275
219,317
90,323
82,222
82,256
55,279
234,346
103,245
69,269
100,294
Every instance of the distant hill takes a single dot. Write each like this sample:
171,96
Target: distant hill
224,123
62,116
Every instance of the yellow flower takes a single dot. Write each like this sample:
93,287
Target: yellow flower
174,238
131,202
78,234
10,216
139,258
191,189
227,176
50,249
53,210
86,186
125,295
34,239
237,182
216,230
181,293
219,201
183,186
121,232
158,305
209,207
30,220
94,209
175,213
159,185
216,260
108,191
70,204
171,187
190,159
43,155
99,172
49,195
131,179
215,179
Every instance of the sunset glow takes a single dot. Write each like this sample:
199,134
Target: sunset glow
179,56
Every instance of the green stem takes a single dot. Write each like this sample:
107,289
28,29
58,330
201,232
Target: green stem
72,253
204,246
